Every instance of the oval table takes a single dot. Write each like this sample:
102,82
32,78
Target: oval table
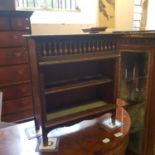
84,138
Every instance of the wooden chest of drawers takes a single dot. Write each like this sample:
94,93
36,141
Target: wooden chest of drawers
15,71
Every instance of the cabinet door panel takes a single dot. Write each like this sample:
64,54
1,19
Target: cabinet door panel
12,39
4,23
22,104
13,74
133,89
11,56
20,23
14,92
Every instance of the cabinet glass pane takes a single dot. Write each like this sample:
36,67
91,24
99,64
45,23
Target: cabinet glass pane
133,90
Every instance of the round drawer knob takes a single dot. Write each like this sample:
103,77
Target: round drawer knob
20,72
17,54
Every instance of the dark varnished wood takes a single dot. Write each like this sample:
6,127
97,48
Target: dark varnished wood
15,80
12,39
84,138
144,42
7,5
20,23
4,23
10,107
71,70
12,56
19,72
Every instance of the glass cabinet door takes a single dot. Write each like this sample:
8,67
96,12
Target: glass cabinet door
133,84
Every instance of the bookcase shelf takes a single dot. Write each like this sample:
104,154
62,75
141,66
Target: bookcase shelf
76,84
76,109
87,110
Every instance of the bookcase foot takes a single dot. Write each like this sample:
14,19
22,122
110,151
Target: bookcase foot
37,126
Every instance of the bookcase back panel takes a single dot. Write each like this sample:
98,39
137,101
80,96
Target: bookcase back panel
70,98
76,72
67,99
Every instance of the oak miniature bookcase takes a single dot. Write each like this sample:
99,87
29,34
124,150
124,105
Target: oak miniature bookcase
74,78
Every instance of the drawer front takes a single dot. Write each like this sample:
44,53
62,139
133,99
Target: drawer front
15,106
12,39
20,116
4,23
12,74
17,91
20,23
9,56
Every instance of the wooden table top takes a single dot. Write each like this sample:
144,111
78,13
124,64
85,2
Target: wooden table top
84,138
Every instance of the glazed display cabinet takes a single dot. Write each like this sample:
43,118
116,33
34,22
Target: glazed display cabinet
136,70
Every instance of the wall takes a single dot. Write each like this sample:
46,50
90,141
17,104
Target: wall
66,22
58,28
123,21
150,25
106,13
124,14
